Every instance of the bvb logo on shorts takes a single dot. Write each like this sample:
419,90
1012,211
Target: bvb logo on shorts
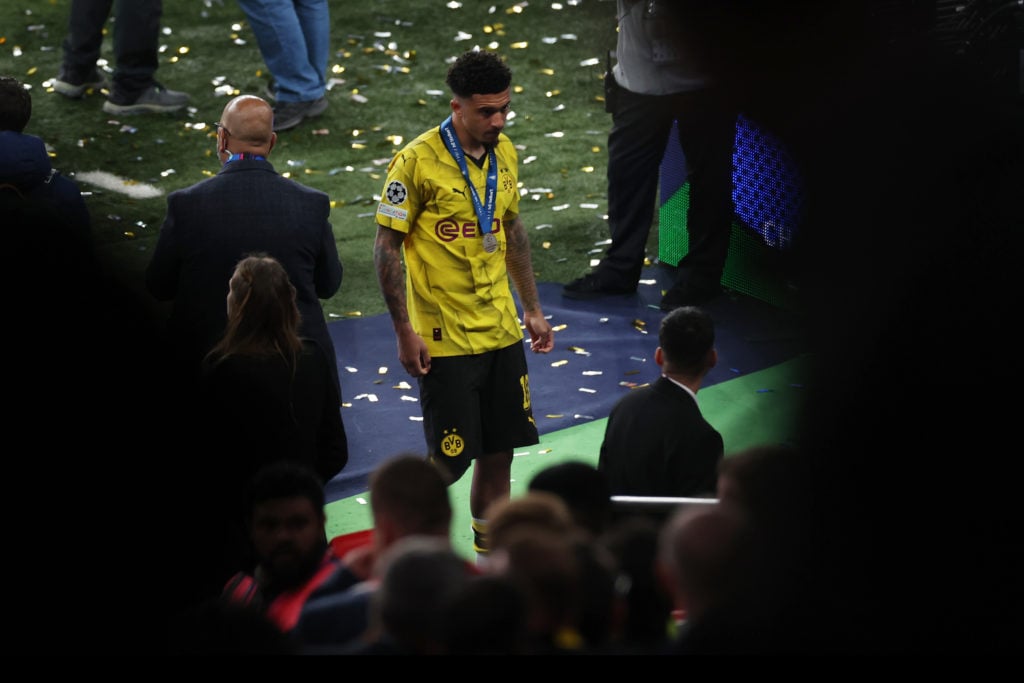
452,444
396,192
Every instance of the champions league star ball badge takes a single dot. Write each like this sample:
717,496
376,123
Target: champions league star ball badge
396,192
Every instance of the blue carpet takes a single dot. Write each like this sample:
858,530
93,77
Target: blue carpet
601,348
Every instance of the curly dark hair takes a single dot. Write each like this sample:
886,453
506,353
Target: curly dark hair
478,72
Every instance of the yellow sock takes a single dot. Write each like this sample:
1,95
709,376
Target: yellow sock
480,536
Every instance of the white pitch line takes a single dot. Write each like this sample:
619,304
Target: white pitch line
109,181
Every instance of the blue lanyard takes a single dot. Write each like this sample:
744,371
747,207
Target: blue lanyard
243,155
483,213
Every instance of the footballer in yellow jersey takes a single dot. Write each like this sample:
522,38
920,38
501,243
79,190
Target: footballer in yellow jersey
458,295
449,241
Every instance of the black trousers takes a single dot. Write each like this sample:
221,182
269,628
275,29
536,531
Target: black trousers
641,125
136,39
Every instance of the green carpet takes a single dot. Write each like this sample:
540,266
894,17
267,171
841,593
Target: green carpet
752,409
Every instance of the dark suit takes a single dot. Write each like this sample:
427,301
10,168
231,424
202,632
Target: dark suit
255,411
657,443
211,225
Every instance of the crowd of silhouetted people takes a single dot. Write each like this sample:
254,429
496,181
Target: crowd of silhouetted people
566,573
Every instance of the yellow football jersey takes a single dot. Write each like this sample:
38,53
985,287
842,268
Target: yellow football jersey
459,296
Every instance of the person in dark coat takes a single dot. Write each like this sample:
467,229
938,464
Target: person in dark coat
657,442
246,207
28,178
266,396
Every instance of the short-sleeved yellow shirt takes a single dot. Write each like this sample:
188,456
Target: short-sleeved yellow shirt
458,295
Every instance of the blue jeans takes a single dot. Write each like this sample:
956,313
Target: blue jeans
294,40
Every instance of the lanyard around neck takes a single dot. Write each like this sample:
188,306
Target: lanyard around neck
245,155
484,210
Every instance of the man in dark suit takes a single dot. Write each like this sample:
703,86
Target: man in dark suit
247,207
657,442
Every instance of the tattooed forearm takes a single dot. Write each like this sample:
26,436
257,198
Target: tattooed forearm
387,257
519,264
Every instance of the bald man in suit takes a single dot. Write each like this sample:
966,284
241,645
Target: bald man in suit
246,207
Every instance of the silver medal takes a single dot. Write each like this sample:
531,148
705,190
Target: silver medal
490,243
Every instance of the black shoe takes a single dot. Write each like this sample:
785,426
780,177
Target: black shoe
155,99
287,115
687,295
74,86
596,285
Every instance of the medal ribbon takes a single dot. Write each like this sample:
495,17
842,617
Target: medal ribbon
484,212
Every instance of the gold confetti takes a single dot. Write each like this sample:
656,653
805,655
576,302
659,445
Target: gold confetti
559,363
545,245
559,328
555,416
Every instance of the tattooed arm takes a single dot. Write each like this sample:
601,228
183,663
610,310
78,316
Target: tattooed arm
387,257
520,269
